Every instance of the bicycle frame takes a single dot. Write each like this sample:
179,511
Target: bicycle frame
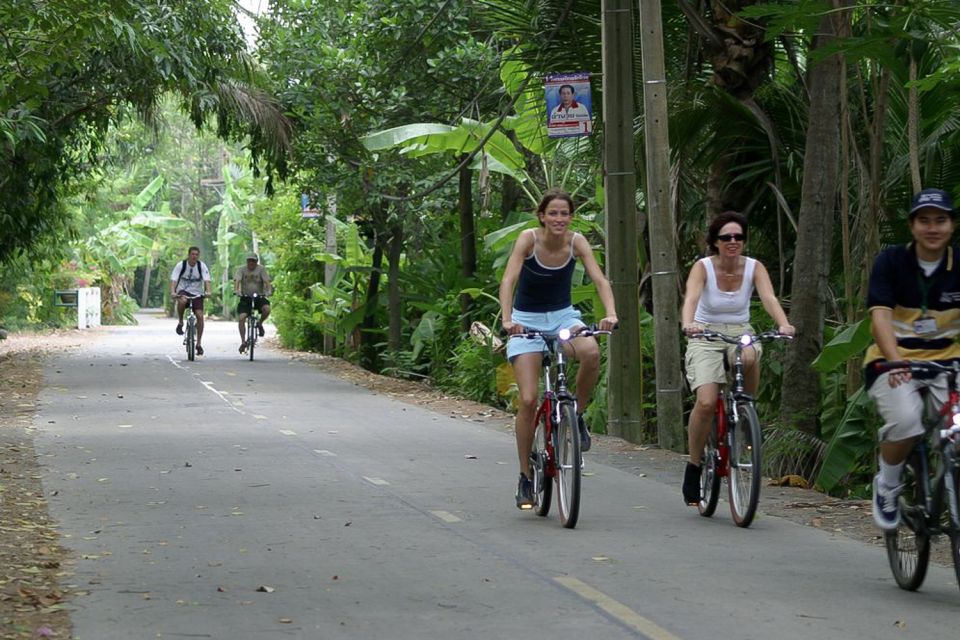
939,490
549,409
726,412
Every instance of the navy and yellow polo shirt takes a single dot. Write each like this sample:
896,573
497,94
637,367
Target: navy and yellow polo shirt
898,283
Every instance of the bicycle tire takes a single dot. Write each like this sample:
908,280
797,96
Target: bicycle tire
954,523
191,341
710,476
908,546
542,483
251,335
744,479
568,466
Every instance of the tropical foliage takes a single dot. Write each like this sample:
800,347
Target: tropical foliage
420,137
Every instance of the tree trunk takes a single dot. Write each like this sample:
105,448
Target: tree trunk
811,267
369,337
147,274
394,307
468,240
913,127
509,198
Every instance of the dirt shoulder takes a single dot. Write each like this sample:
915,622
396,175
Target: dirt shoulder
33,565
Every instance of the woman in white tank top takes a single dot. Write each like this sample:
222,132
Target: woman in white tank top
717,297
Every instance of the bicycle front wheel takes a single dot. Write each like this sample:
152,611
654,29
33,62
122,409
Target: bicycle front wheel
568,466
251,335
191,341
710,476
908,547
542,483
744,480
954,479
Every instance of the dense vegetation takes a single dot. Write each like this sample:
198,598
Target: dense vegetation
417,132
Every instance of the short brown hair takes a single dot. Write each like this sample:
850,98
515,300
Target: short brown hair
719,222
197,249
549,196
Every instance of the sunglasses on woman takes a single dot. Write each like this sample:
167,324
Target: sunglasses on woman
730,237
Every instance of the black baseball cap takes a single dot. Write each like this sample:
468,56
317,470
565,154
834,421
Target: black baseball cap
934,199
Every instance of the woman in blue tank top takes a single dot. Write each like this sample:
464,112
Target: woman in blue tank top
541,269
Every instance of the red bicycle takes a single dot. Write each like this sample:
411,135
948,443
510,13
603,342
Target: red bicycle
556,440
733,449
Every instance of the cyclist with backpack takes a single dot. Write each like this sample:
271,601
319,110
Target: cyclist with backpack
189,282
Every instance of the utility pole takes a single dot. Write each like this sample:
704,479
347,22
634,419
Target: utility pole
330,267
624,403
663,248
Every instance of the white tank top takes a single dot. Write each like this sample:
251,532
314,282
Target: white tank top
725,307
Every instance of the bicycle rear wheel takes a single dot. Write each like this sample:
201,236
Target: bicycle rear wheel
710,476
191,340
744,480
542,484
568,466
908,547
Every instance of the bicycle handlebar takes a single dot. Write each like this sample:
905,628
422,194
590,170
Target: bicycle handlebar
189,297
766,336
582,332
916,366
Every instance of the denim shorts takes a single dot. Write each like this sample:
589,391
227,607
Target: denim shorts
546,321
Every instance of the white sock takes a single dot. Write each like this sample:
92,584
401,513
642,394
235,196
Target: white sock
890,473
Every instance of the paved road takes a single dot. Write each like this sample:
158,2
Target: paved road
184,487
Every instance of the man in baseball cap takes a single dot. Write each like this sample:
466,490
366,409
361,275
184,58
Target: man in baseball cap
247,281
913,301
933,198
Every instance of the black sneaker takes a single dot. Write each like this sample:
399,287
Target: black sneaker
584,433
260,330
691,484
524,493
180,329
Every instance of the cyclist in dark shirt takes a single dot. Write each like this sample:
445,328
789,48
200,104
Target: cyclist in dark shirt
541,268
914,305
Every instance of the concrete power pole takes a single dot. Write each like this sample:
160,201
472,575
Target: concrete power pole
624,403
330,268
663,249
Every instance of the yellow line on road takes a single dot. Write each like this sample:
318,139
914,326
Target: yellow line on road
617,609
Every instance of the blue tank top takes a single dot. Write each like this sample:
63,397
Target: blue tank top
541,288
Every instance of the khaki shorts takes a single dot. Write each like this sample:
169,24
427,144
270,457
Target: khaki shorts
704,358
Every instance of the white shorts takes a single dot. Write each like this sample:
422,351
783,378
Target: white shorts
545,321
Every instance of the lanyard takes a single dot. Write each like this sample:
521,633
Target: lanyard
924,292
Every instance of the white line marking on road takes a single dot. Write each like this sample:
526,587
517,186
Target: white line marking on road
446,516
287,432
259,417
324,452
617,609
380,482
208,385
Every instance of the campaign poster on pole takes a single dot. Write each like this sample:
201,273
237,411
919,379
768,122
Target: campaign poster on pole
569,105
306,211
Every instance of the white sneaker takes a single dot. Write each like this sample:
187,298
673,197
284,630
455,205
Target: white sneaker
886,504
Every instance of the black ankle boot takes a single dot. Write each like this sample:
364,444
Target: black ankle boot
691,484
